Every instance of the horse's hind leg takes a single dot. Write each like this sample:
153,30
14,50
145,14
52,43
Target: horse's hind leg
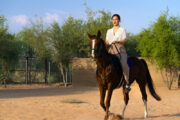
145,109
144,98
126,99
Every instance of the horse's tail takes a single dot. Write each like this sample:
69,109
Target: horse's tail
150,82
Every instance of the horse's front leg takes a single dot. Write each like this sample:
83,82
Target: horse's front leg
102,96
108,100
126,100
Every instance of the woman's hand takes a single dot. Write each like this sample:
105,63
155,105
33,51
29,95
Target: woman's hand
114,42
107,42
121,42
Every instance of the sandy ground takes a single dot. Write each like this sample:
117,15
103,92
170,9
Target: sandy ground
49,103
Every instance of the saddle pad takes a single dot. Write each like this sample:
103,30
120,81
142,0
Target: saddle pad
116,63
130,62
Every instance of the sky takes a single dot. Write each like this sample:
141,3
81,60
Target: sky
135,14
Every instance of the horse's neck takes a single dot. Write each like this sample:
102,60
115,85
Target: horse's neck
103,61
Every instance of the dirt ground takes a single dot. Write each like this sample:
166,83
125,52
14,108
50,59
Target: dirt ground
52,103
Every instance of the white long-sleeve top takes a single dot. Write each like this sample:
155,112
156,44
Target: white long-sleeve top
118,36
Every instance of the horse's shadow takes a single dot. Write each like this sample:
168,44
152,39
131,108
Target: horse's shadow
157,116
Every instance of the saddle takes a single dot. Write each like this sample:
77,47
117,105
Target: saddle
117,64
130,62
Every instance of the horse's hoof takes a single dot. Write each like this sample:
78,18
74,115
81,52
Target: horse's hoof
105,118
145,115
116,117
122,114
109,113
120,117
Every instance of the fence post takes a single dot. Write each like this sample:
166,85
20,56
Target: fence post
49,71
26,70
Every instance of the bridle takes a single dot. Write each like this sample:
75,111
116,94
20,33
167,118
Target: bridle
97,52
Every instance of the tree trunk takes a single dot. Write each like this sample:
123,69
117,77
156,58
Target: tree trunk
70,73
62,73
168,78
5,74
46,71
5,82
49,71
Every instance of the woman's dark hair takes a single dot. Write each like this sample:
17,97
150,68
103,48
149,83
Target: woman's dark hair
116,16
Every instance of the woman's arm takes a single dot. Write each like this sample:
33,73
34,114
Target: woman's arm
123,41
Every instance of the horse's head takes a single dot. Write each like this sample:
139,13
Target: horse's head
96,44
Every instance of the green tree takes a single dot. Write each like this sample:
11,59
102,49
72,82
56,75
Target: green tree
131,45
160,44
37,37
10,50
74,34
27,53
97,20
67,42
61,54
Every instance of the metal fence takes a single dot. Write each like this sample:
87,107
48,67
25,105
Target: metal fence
32,70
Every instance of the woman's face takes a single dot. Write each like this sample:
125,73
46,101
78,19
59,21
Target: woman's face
115,21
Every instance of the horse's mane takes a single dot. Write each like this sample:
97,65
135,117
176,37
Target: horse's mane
113,58
104,45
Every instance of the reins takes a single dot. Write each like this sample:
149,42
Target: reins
121,81
117,51
98,68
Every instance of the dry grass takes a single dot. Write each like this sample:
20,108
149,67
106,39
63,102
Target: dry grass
72,101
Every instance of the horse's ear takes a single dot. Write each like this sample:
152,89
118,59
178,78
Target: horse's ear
99,33
90,36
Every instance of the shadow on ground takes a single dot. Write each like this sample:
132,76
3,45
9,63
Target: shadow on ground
20,93
157,116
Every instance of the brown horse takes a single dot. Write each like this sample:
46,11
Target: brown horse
109,75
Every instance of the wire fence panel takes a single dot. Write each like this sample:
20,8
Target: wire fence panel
32,70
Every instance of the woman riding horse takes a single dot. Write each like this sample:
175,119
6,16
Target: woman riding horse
110,75
116,37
